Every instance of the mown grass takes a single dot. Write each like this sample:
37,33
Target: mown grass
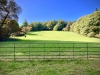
49,67
61,36
49,40
24,51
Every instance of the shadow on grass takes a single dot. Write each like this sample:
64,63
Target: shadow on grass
16,40
10,40
31,34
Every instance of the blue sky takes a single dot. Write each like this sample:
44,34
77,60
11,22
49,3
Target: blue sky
47,10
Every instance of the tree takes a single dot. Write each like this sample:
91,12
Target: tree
44,25
55,28
36,26
59,26
96,9
88,25
13,26
51,24
67,28
25,24
4,33
68,25
9,10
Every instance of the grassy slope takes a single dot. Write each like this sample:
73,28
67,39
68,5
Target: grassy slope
67,67
58,36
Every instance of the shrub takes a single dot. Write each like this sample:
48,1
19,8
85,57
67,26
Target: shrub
97,35
72,27
87,25
91,34
64,29
17,34
55,28
4,33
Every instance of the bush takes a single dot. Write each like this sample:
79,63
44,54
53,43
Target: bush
64,29
91,34
4,33
97,35
55,28
72,27
17,34
87,25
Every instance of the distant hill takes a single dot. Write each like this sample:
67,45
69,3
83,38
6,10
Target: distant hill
88,25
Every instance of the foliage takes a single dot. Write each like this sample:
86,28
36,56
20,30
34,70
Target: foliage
59,26
13,26
10,27
72,27
29,28
87,24
91,34
97,35
25,24
67,28
26,29
8,10
4,33
51,24
44,26
17,34
96,9
36,26
55,28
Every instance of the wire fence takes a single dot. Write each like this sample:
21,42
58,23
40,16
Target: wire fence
51,51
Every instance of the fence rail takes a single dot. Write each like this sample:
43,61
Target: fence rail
43,51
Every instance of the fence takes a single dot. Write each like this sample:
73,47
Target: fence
53,51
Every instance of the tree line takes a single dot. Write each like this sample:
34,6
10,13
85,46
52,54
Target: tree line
88,25
50,25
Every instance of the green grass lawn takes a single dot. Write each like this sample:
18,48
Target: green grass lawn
57,67
48,50
50,44
57,36
48,40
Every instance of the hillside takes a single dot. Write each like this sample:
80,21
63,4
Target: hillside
56,36
88,25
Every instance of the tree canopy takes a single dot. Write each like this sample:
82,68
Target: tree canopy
25,23
88,25
9,10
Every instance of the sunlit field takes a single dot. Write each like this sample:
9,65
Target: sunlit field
57,36
49,37
50,67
